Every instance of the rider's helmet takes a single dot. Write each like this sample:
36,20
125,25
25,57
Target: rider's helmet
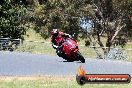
55,32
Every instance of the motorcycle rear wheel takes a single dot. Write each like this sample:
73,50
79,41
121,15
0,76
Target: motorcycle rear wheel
80,57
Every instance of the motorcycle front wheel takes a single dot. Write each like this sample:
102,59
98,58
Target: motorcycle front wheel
80,57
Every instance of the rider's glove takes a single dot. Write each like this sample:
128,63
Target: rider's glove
54,46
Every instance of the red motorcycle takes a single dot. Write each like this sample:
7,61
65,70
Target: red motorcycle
70,50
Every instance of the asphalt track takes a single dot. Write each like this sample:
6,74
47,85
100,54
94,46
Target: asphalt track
27,64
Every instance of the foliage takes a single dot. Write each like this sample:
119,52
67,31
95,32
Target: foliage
111,19
11,13
118,54
108,18
55,14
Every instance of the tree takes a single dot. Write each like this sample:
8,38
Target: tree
11,12
108,18
57,14
111,19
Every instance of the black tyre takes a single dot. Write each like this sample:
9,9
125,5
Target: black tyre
11,49
61,54
58,53
80,57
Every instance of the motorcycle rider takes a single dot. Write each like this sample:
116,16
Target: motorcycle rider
57,40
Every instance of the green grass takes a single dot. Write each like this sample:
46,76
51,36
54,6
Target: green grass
37,48
54,82
46,48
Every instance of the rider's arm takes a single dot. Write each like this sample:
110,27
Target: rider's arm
66,35
54,43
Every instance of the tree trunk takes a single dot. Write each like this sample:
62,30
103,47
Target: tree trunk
99,41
